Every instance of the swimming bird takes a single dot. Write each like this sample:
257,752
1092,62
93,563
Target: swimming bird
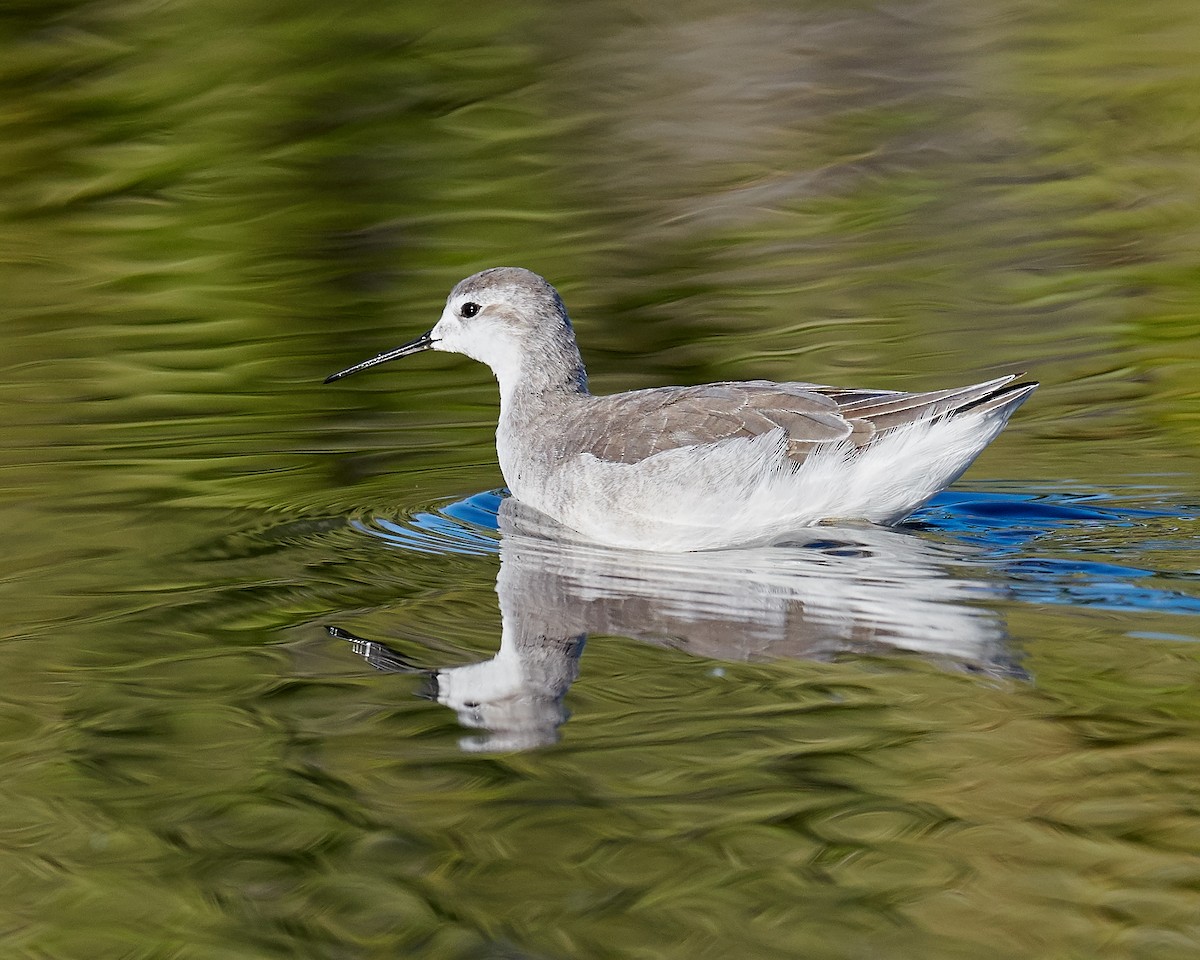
702,467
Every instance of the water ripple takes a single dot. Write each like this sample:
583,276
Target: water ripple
1079,547
466,527
1028,545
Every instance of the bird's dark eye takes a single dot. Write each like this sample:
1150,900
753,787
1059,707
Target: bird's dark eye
469,309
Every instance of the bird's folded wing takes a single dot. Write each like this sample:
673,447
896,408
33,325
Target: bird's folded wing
630,427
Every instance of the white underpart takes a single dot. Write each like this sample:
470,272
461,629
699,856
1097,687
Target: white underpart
743,492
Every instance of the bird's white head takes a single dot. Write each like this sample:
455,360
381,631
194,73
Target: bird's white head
498,316
512,320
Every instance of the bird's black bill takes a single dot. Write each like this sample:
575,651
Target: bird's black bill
423,342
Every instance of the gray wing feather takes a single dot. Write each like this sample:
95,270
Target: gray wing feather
891,410
629,427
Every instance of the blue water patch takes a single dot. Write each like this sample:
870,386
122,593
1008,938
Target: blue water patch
979,513
1109,594
480,510
1034,548
468,527
1027,547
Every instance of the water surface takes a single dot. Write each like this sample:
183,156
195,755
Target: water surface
976,735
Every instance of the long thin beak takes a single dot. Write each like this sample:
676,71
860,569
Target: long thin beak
423,342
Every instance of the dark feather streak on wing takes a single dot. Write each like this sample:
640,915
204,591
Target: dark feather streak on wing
886,411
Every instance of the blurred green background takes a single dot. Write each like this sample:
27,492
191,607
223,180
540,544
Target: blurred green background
206,207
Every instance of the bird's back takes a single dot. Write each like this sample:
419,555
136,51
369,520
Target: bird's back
630,427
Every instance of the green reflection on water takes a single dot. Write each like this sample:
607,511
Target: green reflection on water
207,207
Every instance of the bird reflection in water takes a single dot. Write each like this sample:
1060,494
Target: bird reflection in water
830,591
